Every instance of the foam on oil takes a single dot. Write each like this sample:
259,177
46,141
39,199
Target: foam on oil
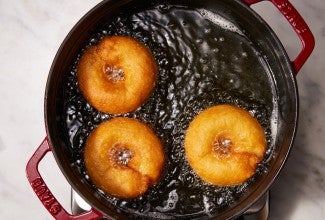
203,60
220,21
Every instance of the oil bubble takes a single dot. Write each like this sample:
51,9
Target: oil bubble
199,41
163,8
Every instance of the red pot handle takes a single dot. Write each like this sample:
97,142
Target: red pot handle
299,25
43,192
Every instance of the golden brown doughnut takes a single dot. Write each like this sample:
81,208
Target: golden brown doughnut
117,75
224,144
123,157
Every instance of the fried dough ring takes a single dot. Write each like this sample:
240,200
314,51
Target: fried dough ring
117,75
123,157
224,144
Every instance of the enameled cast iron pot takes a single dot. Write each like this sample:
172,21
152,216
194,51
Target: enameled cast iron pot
283,73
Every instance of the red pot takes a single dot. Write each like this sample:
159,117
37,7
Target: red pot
282,70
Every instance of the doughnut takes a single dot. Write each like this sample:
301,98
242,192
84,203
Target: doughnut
224,144
117,75
123,157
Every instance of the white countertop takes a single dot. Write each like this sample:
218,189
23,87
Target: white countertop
30,34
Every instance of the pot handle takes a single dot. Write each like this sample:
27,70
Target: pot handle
43,192
300,27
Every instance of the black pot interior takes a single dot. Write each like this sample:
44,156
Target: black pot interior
208,52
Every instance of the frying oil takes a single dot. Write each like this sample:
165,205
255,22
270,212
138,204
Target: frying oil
203,60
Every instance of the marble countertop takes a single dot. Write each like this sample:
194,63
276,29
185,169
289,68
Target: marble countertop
31,33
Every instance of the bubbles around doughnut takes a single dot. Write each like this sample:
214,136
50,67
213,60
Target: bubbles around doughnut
123,157
224,144
117,75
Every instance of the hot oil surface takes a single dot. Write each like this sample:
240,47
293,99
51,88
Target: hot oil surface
203,61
